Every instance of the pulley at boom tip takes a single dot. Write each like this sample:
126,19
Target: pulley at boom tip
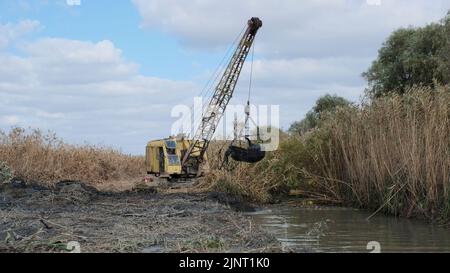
254,25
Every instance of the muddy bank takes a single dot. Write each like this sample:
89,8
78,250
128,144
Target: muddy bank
39,219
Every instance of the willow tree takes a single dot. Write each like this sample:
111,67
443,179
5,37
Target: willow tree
412,56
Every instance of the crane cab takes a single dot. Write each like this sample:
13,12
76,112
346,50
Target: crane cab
163,158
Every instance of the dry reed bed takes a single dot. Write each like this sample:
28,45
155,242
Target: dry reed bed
393,154
44,158
258,182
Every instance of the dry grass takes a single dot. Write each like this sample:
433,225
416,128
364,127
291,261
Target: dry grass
44,158
393,154
258,182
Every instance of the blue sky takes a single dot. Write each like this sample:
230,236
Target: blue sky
157,53
109,72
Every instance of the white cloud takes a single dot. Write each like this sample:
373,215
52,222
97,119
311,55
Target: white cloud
47,115
304,49
308,72
14,69
9,120
296,84
11,32
86,91
292,28
76,62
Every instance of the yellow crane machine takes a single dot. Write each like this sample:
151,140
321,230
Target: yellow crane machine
178,157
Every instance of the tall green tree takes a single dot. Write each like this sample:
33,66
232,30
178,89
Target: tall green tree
445,53
324,104
412,56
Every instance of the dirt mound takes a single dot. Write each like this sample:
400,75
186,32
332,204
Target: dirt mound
63,193
75,192
236,203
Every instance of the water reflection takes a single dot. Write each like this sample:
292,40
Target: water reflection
329,229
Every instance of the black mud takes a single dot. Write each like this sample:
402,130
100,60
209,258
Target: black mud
39,219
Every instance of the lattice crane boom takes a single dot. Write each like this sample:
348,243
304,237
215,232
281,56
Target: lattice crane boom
221,97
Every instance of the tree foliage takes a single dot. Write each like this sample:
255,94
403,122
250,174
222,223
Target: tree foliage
325,104
412,57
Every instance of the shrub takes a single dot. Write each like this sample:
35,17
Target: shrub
5,173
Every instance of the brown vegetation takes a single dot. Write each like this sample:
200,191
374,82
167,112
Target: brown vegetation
392,154
259,182
44,158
